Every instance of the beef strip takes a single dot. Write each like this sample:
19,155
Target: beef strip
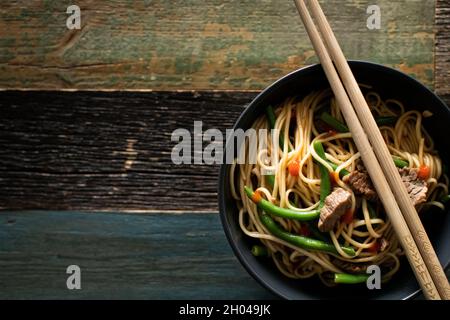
417,188
361,184
335,206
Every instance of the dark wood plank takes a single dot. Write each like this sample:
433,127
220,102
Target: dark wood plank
121,256
443,49
107,151
178,44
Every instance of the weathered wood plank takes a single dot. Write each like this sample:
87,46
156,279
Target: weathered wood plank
443,48
107,151
181,44
121,257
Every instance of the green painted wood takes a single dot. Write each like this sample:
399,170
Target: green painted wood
196,44
121,256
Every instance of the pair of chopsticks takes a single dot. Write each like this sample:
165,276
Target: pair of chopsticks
375,154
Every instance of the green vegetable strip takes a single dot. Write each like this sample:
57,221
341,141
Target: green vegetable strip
372,212
260,251
300,241
342,173
325,187
325,184
350,278
312,226
278,211
340,127
399,163
271,118
270,180
333,122
445,198
385,121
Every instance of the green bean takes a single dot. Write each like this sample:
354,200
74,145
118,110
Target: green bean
260,251
325,188
334,166
301,241
445,198
271,119
312,226
340,127
269,207
399,163
385,121
350,278
325,184
372,213
270,178
333,122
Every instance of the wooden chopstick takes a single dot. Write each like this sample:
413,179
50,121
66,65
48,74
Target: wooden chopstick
368,156
382,152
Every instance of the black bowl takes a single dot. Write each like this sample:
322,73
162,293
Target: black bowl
389,83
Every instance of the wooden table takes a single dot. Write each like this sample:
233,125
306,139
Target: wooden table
86,176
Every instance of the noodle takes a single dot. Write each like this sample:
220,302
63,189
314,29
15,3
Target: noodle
298,128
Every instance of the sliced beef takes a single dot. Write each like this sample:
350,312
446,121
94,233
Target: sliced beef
417,188
361,184
335,206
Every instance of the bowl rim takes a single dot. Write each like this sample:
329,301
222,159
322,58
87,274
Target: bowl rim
250,107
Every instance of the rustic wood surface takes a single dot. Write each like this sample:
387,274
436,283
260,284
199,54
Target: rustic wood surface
120,257
107,153
196,44
443,49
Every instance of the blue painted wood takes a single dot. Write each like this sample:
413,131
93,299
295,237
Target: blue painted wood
121,256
